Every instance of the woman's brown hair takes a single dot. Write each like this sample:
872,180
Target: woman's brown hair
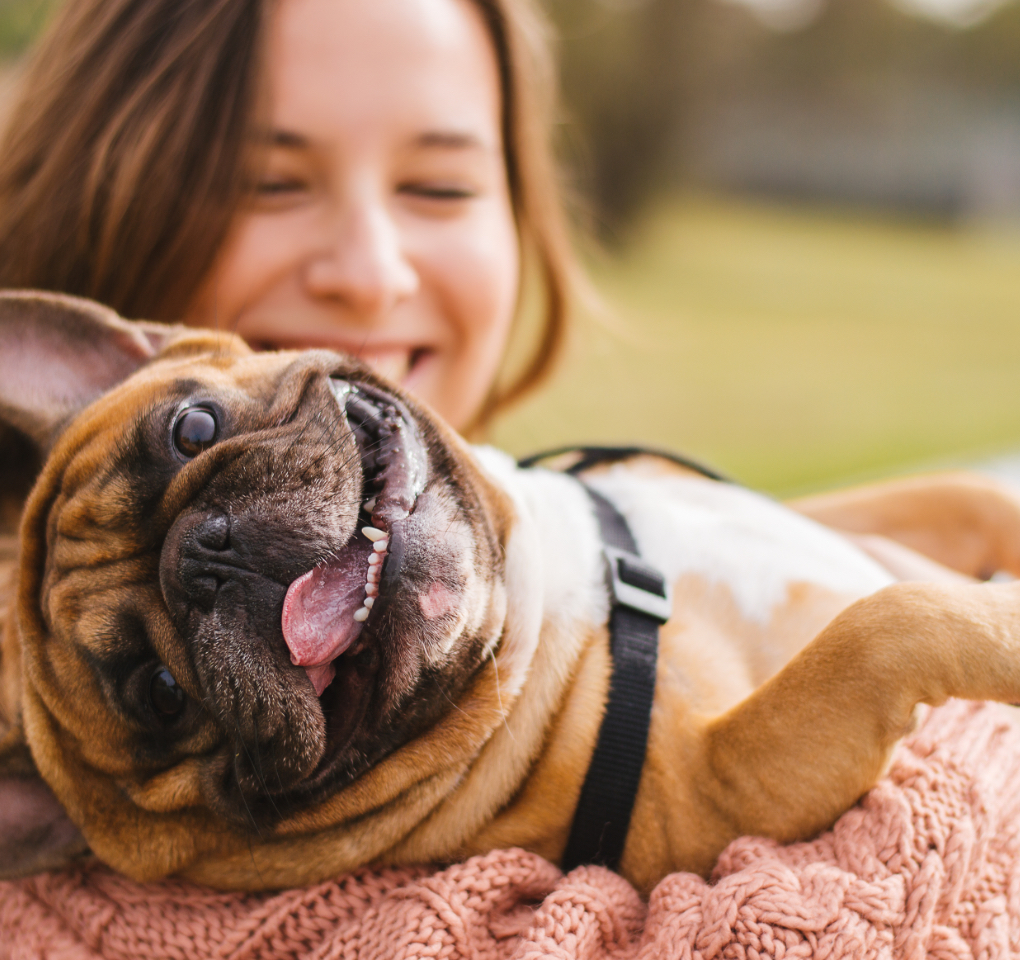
124,160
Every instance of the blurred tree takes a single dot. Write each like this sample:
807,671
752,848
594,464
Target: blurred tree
640,77
625,81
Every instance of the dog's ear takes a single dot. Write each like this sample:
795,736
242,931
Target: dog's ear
35,832
59,353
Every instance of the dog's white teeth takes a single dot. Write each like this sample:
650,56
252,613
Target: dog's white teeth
369,505
380,541
361,614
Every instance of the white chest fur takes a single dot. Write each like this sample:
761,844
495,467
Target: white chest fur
721,532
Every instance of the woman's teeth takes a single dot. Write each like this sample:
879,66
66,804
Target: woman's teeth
380,541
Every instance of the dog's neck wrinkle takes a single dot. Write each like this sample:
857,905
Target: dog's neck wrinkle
557,609
565,549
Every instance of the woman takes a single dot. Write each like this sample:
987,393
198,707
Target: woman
367,177
371,177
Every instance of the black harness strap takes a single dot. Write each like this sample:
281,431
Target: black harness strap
640,603
592,456
602,817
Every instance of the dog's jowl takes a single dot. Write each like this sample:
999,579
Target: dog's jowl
272,621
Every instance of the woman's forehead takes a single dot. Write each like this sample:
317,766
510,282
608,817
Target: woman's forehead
424,71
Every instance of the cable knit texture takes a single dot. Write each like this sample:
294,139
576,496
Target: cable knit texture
927,865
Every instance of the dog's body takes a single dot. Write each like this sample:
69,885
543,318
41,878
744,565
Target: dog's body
169,665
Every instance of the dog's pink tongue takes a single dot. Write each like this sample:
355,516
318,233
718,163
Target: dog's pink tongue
318,617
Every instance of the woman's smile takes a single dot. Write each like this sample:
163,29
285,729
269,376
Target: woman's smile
402,363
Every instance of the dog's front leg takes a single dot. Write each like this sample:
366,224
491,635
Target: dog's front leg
801,749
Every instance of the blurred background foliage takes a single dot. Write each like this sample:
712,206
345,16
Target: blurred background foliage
809,215
855,101
808,226
20,22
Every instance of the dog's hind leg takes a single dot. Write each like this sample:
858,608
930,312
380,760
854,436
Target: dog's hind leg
964,521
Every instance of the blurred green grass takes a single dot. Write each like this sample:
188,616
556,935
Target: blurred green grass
795,349
20,22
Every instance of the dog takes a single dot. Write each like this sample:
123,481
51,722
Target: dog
272,620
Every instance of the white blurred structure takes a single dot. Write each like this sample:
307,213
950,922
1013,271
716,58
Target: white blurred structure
794,14
783,14
962,12
940,151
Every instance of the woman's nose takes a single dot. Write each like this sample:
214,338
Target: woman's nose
361,263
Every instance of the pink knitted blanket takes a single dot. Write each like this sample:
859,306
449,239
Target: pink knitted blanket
927,864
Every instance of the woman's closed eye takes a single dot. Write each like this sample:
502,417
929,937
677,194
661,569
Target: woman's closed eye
438,191
272,186
281,190
437,198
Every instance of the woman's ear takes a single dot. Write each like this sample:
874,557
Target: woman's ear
57,355
35,832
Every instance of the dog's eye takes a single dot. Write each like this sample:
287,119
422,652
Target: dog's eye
165,694
195,431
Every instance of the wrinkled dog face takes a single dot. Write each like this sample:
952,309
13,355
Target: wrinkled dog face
262,573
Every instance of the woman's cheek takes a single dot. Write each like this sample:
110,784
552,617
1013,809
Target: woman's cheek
474,279
261,251
474,271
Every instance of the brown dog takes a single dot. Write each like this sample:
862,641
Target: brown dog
205,673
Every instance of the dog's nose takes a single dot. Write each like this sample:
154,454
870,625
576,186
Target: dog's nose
210,563
213,533
205,560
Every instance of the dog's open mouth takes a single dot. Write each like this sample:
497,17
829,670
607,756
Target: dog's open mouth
328,611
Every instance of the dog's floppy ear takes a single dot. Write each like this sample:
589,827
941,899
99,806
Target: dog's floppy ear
59,353
35,832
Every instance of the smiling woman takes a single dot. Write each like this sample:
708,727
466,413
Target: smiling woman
382,224
372,178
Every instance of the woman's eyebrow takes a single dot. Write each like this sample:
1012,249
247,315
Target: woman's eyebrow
431,139
450,140
287,139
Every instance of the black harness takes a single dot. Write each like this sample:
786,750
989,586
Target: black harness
640,604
